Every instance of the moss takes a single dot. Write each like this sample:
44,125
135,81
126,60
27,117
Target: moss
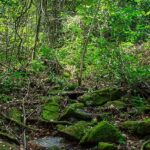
100,97
143,109
147,146
71,86
117,104
75,131
4,98
75,110
102,132
106,146
50,111
141,128
15,114
7,146
55,92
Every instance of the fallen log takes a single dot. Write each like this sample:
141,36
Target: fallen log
17,122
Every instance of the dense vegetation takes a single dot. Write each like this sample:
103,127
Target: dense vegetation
75,68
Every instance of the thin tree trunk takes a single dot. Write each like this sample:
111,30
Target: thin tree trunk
85,45
37,32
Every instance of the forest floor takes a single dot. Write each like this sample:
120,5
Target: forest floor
46,116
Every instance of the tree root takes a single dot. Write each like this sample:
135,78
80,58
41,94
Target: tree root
17,122
43,122
143,145
9,138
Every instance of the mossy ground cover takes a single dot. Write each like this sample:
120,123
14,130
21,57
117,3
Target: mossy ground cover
102,126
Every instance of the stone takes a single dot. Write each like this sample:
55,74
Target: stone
102,132
76,111
141,127
47,143
75,131
50,110
118,104
100,97
106,146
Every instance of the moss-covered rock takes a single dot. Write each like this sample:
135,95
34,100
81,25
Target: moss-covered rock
102,132
141,128
106,146
143,109
75,110
100,97
117,104
75,131
50,110
7,146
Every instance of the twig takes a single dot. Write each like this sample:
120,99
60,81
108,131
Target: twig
48,122
16,122
24,117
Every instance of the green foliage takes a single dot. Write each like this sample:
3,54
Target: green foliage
5,98
12,79
37,66
138,101
47,53
117,34
15,114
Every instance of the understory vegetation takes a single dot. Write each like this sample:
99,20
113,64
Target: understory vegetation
75,74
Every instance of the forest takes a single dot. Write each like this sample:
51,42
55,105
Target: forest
74,74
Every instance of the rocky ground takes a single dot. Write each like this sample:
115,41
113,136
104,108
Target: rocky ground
75,119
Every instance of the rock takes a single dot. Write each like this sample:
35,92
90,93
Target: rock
100,97
50,111
106,146
102,132
144,109
76,111
75,131
47,143
141,128
117,104
7,146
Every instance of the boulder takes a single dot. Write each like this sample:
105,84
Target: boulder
106,146
141,127
50,110
47,143
118,104
76,131
102,132
75,110
100,97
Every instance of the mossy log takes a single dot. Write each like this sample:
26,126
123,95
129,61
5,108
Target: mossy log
17,122
44,122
